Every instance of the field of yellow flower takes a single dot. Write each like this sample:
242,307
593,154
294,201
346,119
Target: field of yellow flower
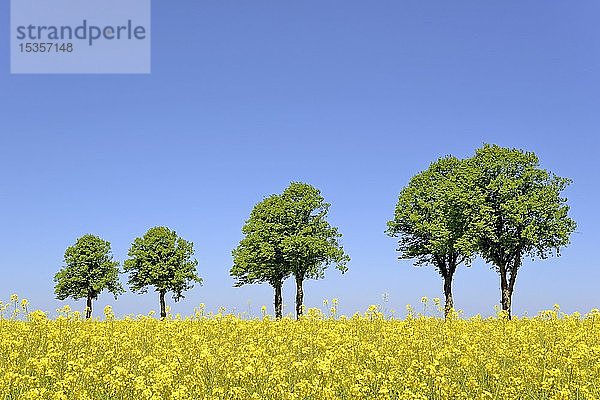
550,356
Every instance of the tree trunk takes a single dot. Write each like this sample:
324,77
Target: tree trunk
506,301
505,292
299,296
88,307
508,276
449,305
163,308
278,300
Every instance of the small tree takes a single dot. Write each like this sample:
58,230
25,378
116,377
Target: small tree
259,256
163,260
524,212
311,244
89,269
435,218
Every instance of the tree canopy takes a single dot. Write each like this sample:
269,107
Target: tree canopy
311,244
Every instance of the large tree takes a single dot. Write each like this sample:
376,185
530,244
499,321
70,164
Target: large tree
436,220
163,260
524,214
259,255
311,244
89,269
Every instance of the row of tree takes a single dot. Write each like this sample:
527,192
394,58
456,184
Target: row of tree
498,204
160,259
286,235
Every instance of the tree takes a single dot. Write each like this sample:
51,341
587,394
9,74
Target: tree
436,219
163,260
259,256
89,269
524,212
311,244
287,235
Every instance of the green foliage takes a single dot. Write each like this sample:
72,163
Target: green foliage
524,212
288,234
259,256
163,260
436,216
89,269
311,244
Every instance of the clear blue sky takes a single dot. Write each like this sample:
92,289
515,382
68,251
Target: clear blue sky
351,96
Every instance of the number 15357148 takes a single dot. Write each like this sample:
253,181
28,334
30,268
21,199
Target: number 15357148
36,47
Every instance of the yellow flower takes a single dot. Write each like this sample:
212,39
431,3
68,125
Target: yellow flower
362,357
108,313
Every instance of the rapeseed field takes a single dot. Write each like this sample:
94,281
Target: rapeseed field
321,356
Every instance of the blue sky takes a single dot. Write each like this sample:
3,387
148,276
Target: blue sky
352,97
